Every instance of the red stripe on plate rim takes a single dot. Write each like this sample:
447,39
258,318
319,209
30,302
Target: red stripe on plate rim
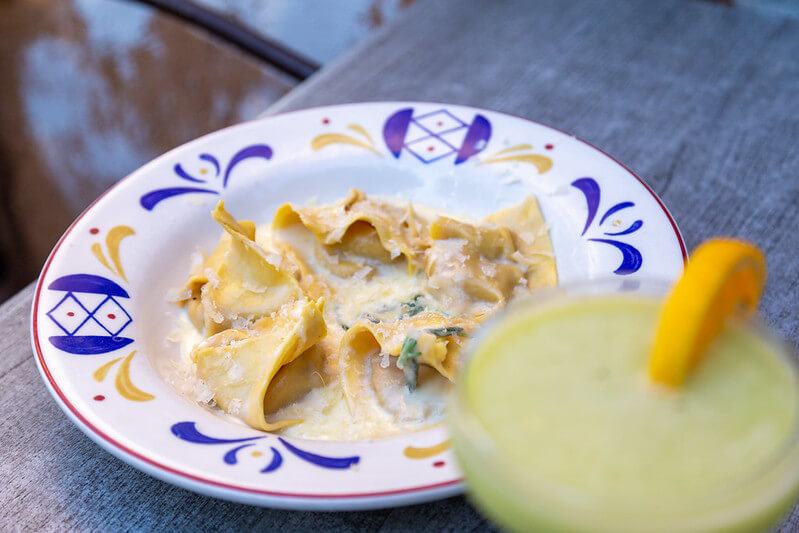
121,447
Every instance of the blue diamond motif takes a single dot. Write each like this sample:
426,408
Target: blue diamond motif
69,314
111,316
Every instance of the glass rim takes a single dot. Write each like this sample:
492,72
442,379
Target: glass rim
776,479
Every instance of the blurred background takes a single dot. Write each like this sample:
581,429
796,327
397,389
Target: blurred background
93,89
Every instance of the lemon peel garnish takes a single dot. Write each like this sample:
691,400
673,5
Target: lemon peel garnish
723,278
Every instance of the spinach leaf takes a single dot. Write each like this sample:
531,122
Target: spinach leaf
407,362
413,307
371,318
447,331
408,351
411,372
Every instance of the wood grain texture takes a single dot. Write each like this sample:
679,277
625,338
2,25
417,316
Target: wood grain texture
701,100
710,123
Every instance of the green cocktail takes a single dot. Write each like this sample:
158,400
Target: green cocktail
558,427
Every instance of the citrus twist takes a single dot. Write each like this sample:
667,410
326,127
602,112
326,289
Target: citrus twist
723,278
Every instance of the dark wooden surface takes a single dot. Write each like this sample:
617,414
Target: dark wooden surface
90,91
700,99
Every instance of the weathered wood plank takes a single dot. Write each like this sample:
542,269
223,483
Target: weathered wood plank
56,479
710,122
15,330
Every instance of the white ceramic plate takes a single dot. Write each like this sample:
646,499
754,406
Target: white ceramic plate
100,316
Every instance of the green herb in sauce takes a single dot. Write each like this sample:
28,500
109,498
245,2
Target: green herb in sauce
447,331
411,372
413,307
407,352
407,362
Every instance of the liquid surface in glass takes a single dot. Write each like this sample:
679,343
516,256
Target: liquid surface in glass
563,392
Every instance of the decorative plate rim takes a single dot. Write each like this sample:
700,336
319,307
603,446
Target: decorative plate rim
349,501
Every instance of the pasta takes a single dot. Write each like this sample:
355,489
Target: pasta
239,365
348,320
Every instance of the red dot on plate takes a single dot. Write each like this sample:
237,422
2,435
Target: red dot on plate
70,314
439,464
549,147
325,121
99,398
94,231
430,148
440,123
112,316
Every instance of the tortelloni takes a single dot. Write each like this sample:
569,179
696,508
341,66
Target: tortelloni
486,263
238,281
348,320
239,365
428,338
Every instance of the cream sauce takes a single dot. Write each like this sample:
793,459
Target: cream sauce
367,288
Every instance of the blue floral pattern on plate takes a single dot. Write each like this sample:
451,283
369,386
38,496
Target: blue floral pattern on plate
188,432
153,198
632,260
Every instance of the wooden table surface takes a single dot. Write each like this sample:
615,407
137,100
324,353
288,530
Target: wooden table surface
700,99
